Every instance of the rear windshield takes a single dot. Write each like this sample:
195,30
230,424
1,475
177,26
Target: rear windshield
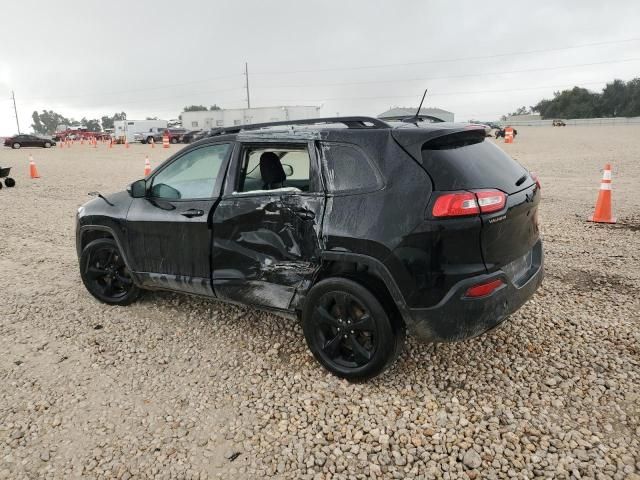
459,162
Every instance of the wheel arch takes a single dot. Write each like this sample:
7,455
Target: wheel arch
368,272
89,233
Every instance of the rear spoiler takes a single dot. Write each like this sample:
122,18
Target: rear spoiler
412,140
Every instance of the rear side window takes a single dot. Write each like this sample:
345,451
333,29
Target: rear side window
348,170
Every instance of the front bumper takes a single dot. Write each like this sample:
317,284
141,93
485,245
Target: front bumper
457,317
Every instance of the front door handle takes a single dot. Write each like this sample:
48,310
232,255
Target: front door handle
192,212
299,210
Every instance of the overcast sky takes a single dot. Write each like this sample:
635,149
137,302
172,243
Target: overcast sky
150,58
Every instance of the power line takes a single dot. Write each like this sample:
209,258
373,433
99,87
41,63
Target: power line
447,77
141,89
441,94
448,60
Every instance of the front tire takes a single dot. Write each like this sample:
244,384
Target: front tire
47,145
348,330
105,274
174,140
9,182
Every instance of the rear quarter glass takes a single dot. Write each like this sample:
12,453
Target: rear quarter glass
464,162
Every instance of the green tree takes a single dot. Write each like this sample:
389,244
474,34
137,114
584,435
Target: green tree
107,122
92,125
214,107
45,123
195,108
618,99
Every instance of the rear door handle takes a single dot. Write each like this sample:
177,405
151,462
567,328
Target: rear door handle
192,212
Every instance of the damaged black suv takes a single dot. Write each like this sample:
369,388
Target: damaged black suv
360,228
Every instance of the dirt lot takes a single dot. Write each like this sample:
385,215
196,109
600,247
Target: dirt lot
180,387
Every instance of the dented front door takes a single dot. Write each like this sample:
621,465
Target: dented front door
266,243
265,246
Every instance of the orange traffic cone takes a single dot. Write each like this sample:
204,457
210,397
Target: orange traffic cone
126,143
33,170
61,144
147,166
153,143
82,141
165,141
602,213
111,143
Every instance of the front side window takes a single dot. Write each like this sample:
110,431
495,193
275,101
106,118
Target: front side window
191,176
276,168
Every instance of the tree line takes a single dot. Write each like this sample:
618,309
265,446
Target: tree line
46,122
617,99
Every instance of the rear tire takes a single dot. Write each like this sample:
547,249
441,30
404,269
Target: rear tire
16,145
174,140
9,182
105,274
348,330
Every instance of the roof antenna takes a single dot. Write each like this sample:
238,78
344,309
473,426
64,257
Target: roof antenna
416,117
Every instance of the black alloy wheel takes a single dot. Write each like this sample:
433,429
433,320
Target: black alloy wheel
348,330
105,274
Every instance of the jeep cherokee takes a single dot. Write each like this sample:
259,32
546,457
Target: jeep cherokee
360,228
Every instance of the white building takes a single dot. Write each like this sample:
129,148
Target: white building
241,116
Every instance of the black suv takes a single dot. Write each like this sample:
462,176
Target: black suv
362,229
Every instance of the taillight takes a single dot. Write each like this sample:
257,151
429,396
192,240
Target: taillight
491,200
484,289
535,179
456,205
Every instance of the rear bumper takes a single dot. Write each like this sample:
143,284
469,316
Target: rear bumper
457,317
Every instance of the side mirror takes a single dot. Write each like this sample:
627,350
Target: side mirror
288,170
138,189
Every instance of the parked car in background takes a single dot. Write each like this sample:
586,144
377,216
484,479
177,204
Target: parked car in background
202,134
363,233
175,134
24,140
500,133
189,137
558,123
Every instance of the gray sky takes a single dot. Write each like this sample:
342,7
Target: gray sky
150,58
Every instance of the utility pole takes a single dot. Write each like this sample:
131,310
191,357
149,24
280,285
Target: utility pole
246,74
13,96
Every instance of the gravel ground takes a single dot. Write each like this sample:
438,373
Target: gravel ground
180,387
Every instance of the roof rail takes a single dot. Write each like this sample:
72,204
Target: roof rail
349,122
